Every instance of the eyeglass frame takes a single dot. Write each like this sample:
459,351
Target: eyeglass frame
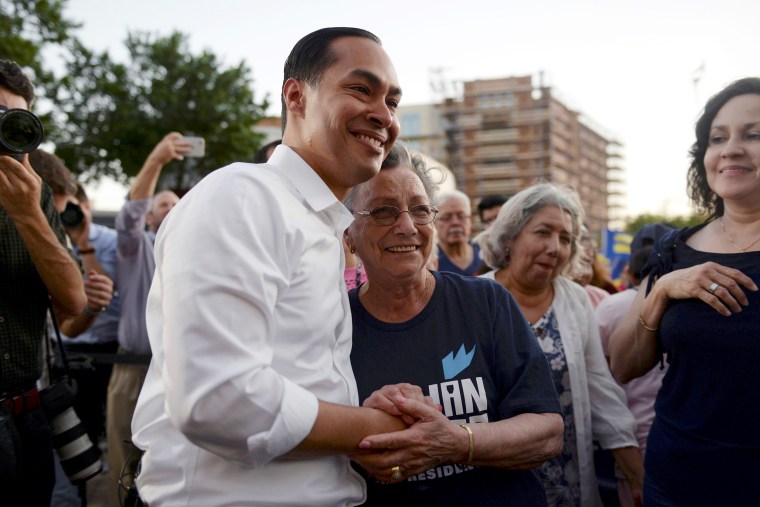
368,213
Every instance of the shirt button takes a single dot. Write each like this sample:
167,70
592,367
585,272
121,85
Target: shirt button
2,319
6,356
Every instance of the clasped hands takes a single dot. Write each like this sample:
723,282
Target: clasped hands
431,439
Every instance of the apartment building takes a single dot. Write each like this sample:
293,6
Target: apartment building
503,134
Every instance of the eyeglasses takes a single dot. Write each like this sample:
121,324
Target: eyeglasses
420,214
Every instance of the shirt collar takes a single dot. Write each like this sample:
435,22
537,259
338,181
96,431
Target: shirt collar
312,188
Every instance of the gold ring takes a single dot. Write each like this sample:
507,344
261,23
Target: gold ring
396,473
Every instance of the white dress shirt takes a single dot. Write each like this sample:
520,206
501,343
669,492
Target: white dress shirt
250,325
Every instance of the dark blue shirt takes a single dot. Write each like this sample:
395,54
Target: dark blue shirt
445,264
704,445
472,350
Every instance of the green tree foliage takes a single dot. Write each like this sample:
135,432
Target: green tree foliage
639,221
110,115
27,27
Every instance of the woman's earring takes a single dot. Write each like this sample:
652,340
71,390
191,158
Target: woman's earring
352,249
507,257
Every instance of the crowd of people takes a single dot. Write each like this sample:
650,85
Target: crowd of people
324,327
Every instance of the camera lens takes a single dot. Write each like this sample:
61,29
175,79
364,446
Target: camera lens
20,131
80,458
72,216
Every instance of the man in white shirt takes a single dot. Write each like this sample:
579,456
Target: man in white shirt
250,398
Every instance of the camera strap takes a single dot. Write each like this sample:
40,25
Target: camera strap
61,349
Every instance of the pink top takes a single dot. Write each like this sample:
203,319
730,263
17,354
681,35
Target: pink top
354,277
595,294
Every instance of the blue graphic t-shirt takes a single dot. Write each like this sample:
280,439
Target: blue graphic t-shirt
473,352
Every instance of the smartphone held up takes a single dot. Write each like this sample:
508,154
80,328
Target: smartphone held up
197,146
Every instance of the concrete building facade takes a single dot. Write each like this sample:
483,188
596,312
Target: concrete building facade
504,134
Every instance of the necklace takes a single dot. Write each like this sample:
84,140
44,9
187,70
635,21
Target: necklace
725,233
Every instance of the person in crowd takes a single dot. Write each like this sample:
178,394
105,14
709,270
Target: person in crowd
701,307
85,333
583,269
354,272
456,253
250,398
488,209
266,151
136,226
464,339
90,376
640,393
36,268
534,238
600,273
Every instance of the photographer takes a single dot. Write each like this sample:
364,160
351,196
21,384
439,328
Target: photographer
35,264
73,207
90,337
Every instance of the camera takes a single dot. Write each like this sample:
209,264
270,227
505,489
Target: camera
79,457
20,131
73,216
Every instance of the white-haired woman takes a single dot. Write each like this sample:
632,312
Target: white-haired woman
532,240
464,340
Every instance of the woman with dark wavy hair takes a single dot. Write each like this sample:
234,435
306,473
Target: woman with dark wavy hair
702,308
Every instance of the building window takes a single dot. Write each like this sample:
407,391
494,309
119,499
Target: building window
410,125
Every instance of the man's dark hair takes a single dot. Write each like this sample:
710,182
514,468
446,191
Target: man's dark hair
313,54
490,201
699,191
264,152
53,171
13,79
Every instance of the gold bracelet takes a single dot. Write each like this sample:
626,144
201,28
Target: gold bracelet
472,445
644,325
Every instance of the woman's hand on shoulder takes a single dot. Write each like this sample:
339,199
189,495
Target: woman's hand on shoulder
697,282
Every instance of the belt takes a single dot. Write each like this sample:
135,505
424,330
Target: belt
23,402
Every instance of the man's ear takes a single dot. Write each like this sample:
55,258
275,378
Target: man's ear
294,97
149,218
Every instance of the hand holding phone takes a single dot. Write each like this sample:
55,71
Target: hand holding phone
197,146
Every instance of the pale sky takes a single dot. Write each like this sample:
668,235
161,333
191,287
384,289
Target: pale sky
627,65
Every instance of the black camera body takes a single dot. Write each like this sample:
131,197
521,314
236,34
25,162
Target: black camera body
73,216
20,131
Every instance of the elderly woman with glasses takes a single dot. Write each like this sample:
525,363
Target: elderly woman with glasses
534,237
492,413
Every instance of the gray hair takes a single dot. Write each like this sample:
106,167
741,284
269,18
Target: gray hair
400,156
518,211
455,194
